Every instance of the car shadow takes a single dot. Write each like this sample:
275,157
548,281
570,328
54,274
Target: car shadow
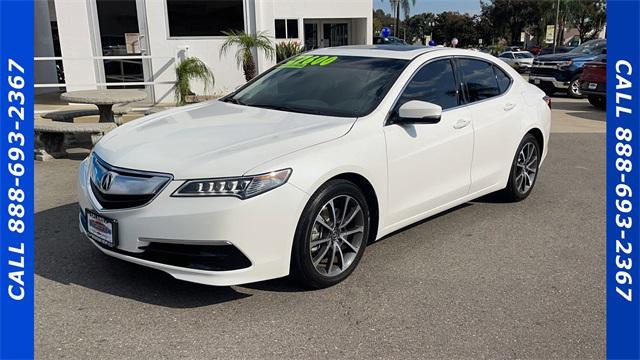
63,255
594,114
431,218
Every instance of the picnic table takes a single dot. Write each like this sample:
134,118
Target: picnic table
104,99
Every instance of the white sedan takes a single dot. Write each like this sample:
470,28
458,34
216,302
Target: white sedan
298,170
519,60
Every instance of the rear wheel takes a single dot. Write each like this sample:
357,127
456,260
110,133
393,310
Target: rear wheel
524,169
331,236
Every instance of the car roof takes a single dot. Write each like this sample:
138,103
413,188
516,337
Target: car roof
407,52
383,51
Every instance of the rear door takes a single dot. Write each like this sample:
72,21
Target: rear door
429,164
494,108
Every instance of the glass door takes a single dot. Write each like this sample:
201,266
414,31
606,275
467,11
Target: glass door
121,34
335,34
310,36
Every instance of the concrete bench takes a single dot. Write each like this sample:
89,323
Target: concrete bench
69,115
52,136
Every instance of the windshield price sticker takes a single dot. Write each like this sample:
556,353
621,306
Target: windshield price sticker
309,60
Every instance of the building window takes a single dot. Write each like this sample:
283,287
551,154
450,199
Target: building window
286,29
204,18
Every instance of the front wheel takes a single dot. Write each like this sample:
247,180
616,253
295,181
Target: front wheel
574,88
524,169
331,235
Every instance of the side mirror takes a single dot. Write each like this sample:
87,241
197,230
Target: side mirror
419,112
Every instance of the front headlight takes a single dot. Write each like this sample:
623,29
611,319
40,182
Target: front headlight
242,187
565,63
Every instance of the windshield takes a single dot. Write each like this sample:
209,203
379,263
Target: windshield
346,86
589,48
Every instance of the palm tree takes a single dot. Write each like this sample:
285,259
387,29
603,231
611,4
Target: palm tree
189,69
406,7
246,43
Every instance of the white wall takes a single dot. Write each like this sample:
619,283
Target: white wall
227,75
268,10
76,44
76,39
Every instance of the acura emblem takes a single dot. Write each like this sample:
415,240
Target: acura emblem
107,180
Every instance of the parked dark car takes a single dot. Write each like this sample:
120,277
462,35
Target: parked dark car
593,81
561,72
559,50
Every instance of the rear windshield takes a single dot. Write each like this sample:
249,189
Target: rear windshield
345,86
523,55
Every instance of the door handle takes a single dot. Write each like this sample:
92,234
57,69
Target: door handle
509,106
461,123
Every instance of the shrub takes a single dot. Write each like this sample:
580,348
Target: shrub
285,50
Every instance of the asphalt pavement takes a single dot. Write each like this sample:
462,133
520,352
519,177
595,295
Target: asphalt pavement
485,280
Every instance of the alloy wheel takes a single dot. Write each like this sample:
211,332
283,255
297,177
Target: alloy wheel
526,167
336,235
575,88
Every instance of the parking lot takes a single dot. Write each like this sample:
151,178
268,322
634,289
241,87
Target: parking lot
485,280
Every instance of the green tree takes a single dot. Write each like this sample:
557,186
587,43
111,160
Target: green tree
380,20
508,18
451,25
397,5
246,44
588,17
418,26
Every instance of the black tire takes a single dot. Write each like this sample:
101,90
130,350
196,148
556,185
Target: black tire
574,88
302,267
598,101
514,191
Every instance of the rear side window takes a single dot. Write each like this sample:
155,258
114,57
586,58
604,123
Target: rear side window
503,79
434,83
479,79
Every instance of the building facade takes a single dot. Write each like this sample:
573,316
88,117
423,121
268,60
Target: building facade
89,44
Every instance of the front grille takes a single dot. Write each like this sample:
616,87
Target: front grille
543,71
118,188
111,202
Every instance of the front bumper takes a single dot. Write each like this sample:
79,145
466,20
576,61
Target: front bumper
261,228
548,81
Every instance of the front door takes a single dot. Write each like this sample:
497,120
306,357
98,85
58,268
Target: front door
122,43
429,165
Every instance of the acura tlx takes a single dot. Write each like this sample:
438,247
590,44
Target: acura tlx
297,171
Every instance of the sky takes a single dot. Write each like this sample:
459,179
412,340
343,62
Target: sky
434,6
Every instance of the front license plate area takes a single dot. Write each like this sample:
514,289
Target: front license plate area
536,81
102,229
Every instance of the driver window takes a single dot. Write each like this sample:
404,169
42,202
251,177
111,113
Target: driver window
434,83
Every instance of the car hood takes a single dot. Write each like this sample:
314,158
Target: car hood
214,139
565,56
